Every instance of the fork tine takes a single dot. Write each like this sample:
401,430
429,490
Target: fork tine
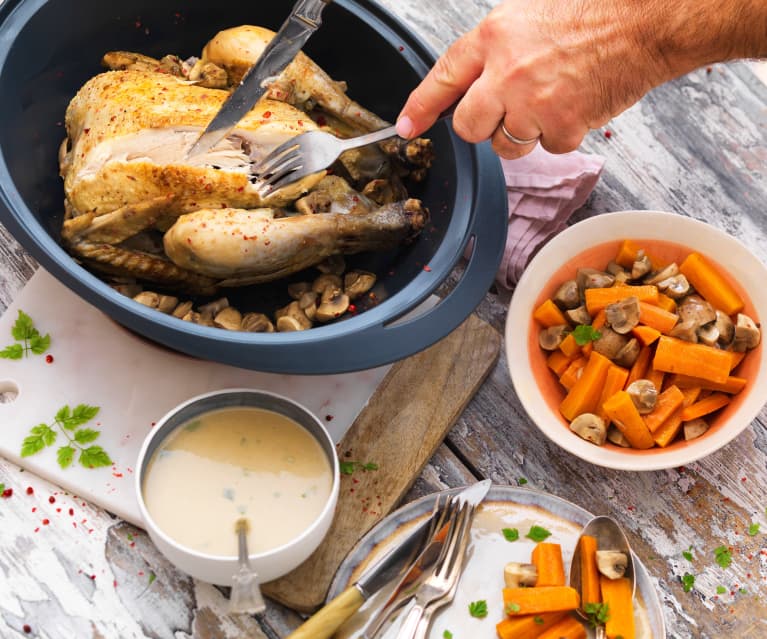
286,177
272,163
455,537
274,154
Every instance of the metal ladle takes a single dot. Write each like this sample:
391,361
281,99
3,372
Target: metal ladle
609,536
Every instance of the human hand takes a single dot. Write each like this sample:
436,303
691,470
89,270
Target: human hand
546,69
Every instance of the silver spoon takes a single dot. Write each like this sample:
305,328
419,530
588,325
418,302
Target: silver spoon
246,593
609,536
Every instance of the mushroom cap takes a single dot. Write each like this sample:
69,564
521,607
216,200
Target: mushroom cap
590,427
641,267
615,436
229,318
550,338
326,280
516,575
688,331
644,395
334,304
592,278
567,295
675,287
579,316
609,343
628,354
256,323
694,428
612,563
623,315
708,334
148,298
357,283
182,309
747,333
666,272
694,308
725,327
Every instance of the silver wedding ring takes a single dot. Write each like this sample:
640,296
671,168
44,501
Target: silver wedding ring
513,138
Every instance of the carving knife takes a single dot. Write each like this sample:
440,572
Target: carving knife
326,621
427,561
304,19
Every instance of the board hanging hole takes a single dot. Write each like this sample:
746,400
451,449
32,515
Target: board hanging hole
9,391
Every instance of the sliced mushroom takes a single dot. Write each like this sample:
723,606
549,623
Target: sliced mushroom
615,436
688,331
550,338
297,289
167,303
613,268
622,278
628,354
726,329
590,427
567,295
357,283
612,563
579,316
229,318
665,273
256,323
308,304
335,264
516,575
644,395
334,303
129,290
641,266
610,343
182,309
694,428
297,316
592,278
675,287
747,334
623,315
694,308
214,308
148,298
708,334
192,316
326,280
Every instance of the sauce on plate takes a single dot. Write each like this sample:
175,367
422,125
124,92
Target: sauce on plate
232,463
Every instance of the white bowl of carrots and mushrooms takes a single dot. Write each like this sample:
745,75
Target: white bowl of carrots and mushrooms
634,339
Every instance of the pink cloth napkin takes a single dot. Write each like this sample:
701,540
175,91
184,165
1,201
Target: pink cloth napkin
543,190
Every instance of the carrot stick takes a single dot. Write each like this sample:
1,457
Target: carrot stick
558,362
589,571
527,626
628,252
711,284
599,321
733,385
533,601
669,429
569,346
666,303
584,395
713,402
677,356
668,401
656,317
598,298
656,377
567,628
645,334
641,365
572,372
616,593
548,562
737,358
614,381
624,414
548,314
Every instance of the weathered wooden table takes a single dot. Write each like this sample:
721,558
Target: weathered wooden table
696,146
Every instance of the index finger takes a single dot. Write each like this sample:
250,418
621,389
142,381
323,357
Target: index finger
446,82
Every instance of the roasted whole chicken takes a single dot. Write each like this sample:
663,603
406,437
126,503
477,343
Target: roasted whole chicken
137,208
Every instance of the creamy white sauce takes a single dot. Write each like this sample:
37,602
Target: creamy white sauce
233,463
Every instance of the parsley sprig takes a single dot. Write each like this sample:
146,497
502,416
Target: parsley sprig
28,339
688,581
723,556
538,533
583,334
510,534
597,613
478,608
68,421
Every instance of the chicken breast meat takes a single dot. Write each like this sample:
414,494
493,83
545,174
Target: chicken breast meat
128,182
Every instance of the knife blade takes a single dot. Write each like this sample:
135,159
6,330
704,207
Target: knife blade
327,620
304,19
426,561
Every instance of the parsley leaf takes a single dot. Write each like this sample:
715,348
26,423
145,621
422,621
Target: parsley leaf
447,635
521,481
687,554
152,577
720,590
86,435
512,608
478,608
14,351
94,456
82,413
39,344
348,467
753,530
723,556
583,334
28,339
2,487
597,613
538,533
64,456
511,534
23,328
688,581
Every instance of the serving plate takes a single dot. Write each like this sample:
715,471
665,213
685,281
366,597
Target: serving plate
489,551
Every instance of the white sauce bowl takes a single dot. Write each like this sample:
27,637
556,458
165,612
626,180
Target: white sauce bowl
268,565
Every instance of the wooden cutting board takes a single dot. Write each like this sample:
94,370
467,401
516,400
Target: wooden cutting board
394,416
